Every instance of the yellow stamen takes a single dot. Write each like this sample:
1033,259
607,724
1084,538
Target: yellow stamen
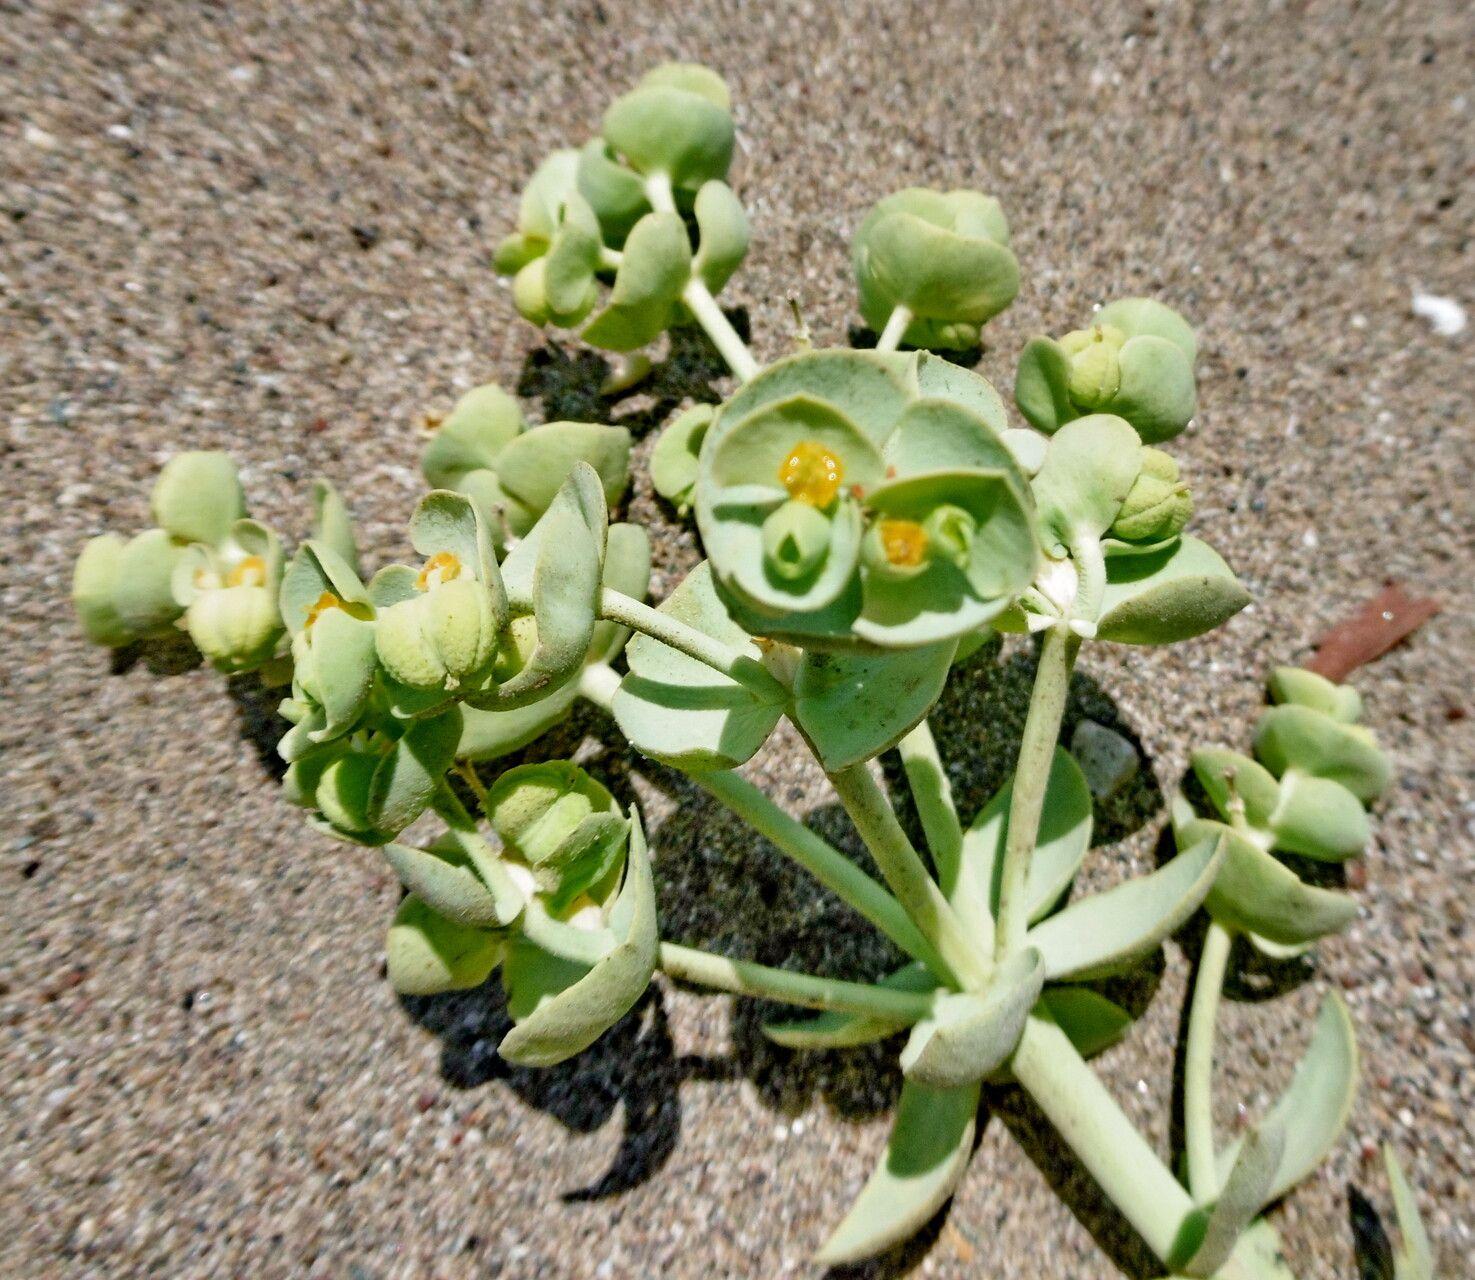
904,542
812,474
251,572
321,606
441,567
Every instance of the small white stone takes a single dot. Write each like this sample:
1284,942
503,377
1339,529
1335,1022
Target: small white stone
1445,316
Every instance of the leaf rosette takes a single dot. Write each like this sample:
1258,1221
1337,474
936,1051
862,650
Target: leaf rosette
1135,361
865,499
944,256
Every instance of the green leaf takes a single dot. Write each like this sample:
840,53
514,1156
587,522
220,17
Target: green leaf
332,525
1307,689
664,128
1090,466
93,580
444,878
1245,1191
941,435
941,379
616,195
1104,933
556,572
197,497
1142,316
674,708
1415,1260
1041,385
835,1030
1157,393
314,571
1257,894
673,462
1064,837
573,258
722,230
407,779
1294,737
852,707
1227,774
1315,1107
654,270
533,467
445,521
543,197
483,421
568,1021
968,1035
428,954
1319,818
340,670
486,735
1171,595
143,590
1091,1021
925,1159
626,570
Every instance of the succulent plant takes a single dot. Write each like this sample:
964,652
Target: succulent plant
868,518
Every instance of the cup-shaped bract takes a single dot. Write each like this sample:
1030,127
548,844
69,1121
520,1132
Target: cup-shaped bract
653,271
677,121
229,594
864,499
538,212
561,824
198,497
438,627
426,953
94,578
1135,361
673,462
511,472
944,256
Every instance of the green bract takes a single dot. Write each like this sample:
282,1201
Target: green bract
427,954
1317,769
512,472
675,122
864,498
944,256
1136,361
674,461
229,594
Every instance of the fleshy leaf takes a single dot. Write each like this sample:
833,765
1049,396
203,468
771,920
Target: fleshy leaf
675,129
722,229
1171,595
1254,892
569,1021
1319,818
332,525
626,570
1227,774
1041,385
487,735
926,1156
533,467
1064,837
1091,1021
673,462
407,778
444,877
1315,1106
851,707
1415,1260
1104,933
197,497
1293,737
93,582
1090,466
428,954
483,421
1157,393
616,195
674,708
316,569
1308,689
651,276
143,591
1244,1194
970,1035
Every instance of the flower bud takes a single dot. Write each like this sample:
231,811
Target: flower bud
562,823
1157,506
1095,367
950,531
796,539
237,627
443,638
427,954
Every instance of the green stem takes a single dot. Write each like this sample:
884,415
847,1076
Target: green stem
822,860
904,871
933,795
615,606
826,864
729,343
558,938
1031,777
1198,1064
448,807
744,978
698,298
896,327
467,771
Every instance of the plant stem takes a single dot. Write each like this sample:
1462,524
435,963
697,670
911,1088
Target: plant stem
615,606
744,978
933,795
467,772
599,683
1031,777
896,327
1198,1064
698,298
904,871
826,864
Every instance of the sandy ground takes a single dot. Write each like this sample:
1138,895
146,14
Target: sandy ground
265,227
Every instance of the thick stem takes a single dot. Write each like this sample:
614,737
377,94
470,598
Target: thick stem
744,978
933,795
826,864
729,343
1031,777
904,871
1198,1064
896,327
618,607
822,860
